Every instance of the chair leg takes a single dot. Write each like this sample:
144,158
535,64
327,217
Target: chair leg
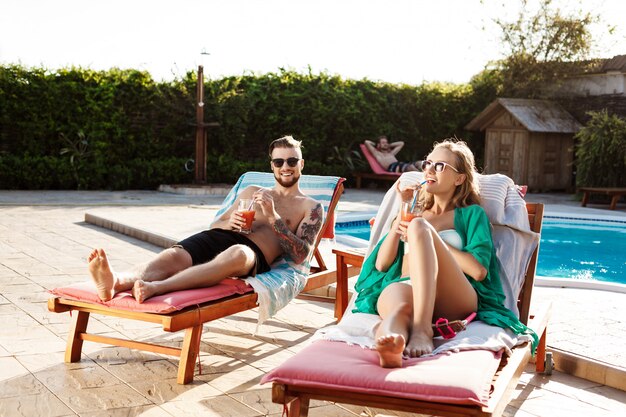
583,203
299,407
74,341
188,354
341,294
540,355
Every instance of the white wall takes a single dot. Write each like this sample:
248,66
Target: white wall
613,82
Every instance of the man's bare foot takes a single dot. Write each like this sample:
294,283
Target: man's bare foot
390,349
420,343
143,290
102,274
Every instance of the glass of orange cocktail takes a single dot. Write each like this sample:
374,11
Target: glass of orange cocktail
410,210
246,209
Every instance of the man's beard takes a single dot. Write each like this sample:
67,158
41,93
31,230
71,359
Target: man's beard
293,180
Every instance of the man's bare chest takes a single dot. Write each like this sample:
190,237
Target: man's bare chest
291,214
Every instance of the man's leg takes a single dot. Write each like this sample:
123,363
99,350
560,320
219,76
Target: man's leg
108,283
236,261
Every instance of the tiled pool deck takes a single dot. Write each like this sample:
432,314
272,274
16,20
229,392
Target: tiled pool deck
44,241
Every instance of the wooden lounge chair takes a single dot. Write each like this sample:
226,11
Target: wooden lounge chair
327,190
296,387
378,172
614,193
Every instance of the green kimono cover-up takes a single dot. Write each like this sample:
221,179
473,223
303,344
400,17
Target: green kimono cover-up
473,226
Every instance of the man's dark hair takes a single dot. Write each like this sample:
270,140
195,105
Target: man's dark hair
285,142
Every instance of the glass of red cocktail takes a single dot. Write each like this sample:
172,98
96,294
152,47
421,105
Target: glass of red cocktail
246,209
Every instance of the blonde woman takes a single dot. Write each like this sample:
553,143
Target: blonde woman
450,271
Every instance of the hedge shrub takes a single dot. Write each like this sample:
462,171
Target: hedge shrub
136,132
601,151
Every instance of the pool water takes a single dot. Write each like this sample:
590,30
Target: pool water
583,250
575,249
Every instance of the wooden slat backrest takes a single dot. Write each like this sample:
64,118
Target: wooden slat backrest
330,216
535,218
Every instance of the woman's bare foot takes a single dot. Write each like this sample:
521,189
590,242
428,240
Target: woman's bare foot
102,274
143,290
420,343
390,349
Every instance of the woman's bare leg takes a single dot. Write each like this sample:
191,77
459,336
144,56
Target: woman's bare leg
236,261
439,285
394,306
108,283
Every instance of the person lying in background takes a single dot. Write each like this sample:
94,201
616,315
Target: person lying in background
385,153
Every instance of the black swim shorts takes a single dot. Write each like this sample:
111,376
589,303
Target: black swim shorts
399,166
206,245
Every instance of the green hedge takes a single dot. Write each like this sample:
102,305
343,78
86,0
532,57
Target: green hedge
49,172
117,129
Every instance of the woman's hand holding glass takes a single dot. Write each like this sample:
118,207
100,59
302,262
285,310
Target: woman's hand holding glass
409,209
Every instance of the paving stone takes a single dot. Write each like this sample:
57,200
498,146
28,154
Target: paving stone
46,246
222,406
244,378
163,390
101,398
143,411
40,404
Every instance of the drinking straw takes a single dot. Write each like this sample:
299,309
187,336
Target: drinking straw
251,204
415,193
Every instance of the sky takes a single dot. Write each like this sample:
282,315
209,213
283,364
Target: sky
398,41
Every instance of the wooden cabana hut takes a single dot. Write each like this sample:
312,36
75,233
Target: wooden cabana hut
531,141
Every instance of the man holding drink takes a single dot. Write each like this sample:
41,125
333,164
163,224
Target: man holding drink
262,224
246,210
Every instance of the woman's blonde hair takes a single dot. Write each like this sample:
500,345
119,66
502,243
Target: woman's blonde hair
466,193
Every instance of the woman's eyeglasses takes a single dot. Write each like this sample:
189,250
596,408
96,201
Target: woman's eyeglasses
439,166
278,162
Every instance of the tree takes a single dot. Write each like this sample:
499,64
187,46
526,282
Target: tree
542,48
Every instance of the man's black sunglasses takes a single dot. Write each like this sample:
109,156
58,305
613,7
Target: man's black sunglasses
278,162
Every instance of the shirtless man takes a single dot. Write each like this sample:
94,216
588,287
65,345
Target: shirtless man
385,153
286,223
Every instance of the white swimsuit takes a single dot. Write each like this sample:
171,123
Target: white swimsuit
452,238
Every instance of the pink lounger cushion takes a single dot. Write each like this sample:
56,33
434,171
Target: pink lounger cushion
455,378
166,303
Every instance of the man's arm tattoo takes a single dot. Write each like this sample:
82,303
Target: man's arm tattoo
299,249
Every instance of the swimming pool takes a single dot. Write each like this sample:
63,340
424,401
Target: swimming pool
573,248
